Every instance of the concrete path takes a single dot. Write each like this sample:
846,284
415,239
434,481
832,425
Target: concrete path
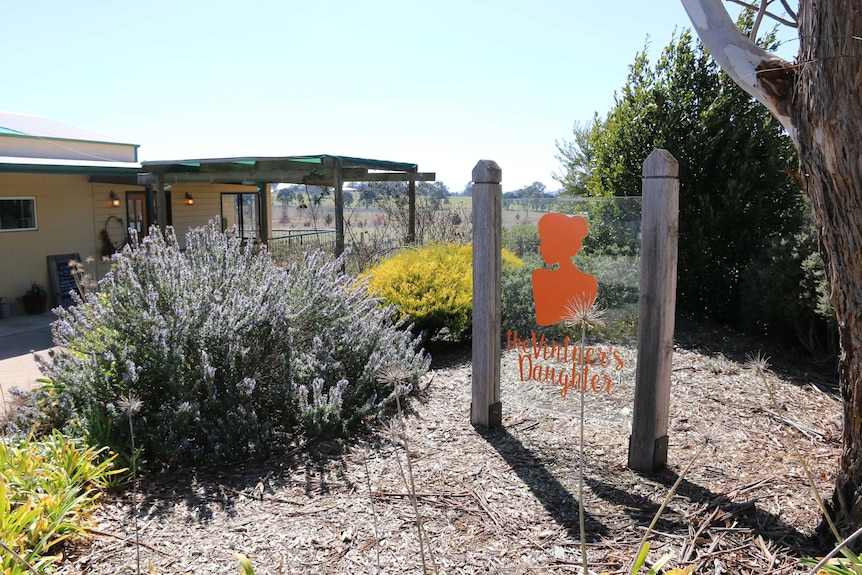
20,336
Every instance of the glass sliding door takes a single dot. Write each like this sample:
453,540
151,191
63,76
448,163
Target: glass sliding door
241,211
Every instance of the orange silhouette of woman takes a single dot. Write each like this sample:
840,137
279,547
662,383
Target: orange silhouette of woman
556,292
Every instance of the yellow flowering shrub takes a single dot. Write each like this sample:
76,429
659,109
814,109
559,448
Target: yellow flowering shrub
432,286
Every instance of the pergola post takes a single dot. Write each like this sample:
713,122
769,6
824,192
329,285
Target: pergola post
411,213
263,202
486,409
338,184
656,306
161,204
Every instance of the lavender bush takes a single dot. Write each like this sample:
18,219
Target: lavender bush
228,353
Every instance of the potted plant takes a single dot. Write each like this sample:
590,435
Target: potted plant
35,299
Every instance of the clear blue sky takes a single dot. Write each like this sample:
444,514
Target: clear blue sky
442,83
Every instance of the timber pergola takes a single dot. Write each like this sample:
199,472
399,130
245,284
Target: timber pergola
320,170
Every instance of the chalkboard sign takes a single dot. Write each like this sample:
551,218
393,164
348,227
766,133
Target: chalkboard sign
62,281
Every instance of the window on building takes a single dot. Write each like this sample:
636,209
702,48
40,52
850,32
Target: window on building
17,214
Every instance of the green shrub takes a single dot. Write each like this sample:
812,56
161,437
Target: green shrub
517,308
432,286
785,293
613,223
522,240
228,353
617,270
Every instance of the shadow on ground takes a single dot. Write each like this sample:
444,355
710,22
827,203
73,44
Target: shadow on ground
634,511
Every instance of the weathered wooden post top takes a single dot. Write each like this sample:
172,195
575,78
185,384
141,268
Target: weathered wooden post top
486,409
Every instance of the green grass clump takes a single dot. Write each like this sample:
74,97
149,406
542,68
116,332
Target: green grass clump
48,491
849,564
433,286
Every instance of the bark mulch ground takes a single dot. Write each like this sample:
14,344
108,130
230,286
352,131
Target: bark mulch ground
506,500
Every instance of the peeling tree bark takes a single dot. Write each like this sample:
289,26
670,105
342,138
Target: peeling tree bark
760,73
819,102
828,115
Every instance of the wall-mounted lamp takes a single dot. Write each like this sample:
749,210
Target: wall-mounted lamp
190,201
114,200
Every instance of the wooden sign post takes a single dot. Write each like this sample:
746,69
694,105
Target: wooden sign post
656,308
486,410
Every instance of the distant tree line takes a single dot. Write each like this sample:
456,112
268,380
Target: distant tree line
532,197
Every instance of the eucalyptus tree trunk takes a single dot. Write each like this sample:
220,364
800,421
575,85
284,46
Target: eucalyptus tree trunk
818,99
827,113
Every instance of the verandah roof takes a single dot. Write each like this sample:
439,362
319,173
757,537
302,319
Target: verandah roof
321,170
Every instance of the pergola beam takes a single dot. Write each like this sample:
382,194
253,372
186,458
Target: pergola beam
395,177
280,177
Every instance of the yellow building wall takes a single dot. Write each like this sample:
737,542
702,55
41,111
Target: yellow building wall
64,218
207,206
71,213
113,220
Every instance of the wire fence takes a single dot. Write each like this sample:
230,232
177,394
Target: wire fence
322,238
